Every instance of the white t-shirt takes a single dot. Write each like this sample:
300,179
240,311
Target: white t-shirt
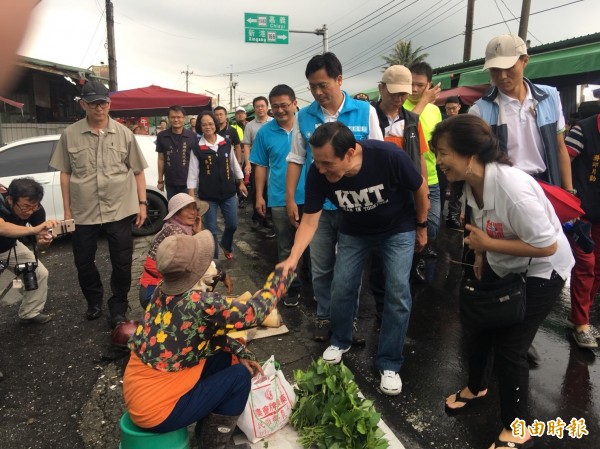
193,170
524,145
515,207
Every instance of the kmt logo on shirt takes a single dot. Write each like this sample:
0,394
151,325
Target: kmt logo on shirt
494,230
362,200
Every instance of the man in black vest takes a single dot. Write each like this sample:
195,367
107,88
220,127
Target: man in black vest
173,146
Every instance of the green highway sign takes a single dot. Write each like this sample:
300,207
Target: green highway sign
265,28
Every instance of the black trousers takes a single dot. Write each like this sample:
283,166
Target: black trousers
120,247
504,351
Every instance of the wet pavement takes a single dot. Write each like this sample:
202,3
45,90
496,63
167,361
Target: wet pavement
565,385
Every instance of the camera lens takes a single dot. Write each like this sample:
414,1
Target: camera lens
30,281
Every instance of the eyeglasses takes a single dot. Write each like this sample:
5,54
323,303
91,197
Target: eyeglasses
452,108
275,106
28,208
95,104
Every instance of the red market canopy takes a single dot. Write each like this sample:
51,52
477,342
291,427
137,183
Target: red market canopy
468,95
155,101
16,104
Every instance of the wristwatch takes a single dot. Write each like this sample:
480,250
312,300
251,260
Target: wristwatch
422,224
142,202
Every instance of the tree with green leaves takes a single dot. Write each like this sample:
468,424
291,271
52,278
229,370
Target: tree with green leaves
403,54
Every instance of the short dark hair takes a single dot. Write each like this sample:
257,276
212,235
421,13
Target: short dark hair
282,89
327,61
219,108
336,133
161,120
453,99
259,99
422,68
199,121
27,188
176,108
470,135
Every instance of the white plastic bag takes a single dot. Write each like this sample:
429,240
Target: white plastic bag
269,405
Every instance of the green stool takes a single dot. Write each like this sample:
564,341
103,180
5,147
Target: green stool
133,437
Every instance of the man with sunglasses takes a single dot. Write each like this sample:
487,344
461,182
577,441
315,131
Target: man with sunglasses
22,216
103,189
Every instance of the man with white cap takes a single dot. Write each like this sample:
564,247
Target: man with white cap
402,128
526,117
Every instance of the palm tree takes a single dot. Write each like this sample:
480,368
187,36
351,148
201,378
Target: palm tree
403,54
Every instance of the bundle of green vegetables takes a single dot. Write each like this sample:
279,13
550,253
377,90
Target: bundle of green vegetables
329,412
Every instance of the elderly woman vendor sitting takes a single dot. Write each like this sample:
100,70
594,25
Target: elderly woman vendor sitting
184,368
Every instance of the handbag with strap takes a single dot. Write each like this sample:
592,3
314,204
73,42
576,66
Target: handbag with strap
492,304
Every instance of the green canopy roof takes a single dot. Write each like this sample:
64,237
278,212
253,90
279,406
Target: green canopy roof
567,61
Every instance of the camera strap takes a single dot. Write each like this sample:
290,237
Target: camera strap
16,259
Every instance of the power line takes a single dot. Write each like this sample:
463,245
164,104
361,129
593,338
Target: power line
475,29
514,16
409,36
92,39
502,15
296,56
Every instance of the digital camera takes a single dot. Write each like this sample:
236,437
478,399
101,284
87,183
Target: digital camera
27,269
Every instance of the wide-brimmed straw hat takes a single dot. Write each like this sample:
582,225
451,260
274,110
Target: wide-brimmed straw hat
183,259
179,201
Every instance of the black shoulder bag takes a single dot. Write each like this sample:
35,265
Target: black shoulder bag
492,304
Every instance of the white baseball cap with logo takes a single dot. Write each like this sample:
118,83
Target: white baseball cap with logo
397,78
503,51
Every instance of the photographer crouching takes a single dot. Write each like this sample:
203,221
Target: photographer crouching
22,216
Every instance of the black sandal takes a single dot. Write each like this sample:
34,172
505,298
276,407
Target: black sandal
499,444
458,398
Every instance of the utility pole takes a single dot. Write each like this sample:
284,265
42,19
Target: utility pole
524,22
318,32
187,75
469,30
113,85
232,86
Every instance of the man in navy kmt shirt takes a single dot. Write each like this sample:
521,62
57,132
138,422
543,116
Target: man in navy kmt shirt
382,199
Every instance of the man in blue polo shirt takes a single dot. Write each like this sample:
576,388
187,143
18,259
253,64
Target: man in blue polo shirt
269,151
324,75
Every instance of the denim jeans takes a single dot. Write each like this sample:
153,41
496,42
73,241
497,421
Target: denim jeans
397,252
285,234
435,212
222,388
322,259
229,209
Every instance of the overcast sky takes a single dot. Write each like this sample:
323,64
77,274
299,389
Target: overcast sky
157,39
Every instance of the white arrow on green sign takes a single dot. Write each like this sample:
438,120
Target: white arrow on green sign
265,28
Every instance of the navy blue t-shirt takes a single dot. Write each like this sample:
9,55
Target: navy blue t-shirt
378,199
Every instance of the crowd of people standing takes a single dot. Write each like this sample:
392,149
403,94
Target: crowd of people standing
340,181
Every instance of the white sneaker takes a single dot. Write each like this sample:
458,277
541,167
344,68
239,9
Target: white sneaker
391,384
333,354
